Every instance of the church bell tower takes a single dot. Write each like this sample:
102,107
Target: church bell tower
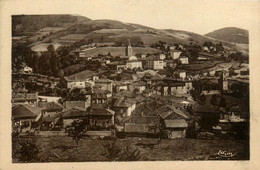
129,50
223,82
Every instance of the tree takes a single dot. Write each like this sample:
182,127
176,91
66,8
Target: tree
208,120
222,103
77,131
213,100
202,99
28,151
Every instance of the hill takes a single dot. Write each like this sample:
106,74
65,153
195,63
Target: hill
29,24
68,29
230,34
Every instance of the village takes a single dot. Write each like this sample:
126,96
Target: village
181,92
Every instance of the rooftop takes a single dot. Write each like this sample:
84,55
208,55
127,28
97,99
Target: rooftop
25,111
83,75
72,113
124,102
101,112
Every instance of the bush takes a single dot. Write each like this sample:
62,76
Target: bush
114,152
28,151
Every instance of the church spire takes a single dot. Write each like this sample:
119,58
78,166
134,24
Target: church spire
129,50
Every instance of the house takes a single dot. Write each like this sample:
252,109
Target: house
117,65
162,56
170,63
154,63
132,58
99,96
184,60
124,106
71,115
175,54
81,79
152,78
142,125
140,86
119,86
170,87
205,48
27,70
101,119
81,105
50,109
49,99
172,47
174,121
105,84
180,74
24,114
131,64
25,98
177,88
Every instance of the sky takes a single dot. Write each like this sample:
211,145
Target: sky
194,15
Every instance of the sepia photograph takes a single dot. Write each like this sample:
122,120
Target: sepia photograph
164,81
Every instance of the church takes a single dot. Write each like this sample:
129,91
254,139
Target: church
129,49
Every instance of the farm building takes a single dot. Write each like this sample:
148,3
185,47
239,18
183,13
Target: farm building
71,115
142,125
101,118
174,121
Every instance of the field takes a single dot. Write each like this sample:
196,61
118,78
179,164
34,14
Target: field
196,66
75,37
120,51
62,149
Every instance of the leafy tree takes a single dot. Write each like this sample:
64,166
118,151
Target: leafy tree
208,120
28,151
213,100
222,102
76,95
77,131
202,99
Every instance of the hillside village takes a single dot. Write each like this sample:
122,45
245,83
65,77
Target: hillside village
157,91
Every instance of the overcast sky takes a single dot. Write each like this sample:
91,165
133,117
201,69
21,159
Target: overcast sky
193,15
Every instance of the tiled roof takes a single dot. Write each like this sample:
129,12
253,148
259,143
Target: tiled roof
153,58
104,81
102,111
73,113
170,112
25,111
124,103
81,76
149,120
75,104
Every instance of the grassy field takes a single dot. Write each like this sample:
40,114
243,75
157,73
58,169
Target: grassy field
62,149
200,65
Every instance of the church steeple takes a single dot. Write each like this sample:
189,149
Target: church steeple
129,50
223,82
